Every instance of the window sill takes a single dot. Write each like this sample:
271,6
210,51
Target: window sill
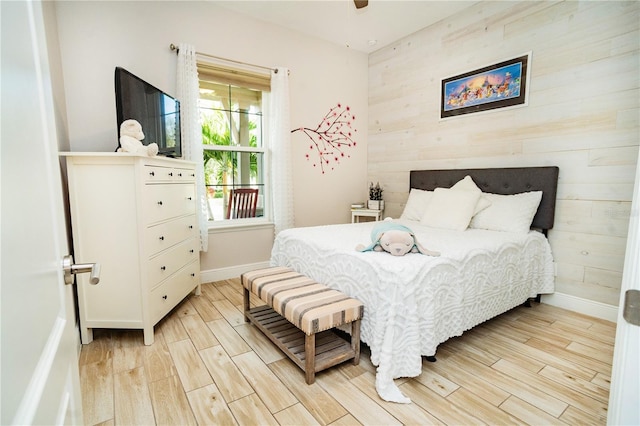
238,225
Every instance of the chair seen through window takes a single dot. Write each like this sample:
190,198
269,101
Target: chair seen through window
242,203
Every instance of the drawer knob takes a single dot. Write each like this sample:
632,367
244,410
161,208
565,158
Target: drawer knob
161,238
190,226
152,174
191,251
170,173
164,297
159,203
163,268
189,198
193,275
180,174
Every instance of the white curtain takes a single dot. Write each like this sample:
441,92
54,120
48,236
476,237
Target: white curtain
187,93
281,181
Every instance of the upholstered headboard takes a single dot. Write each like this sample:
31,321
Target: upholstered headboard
504,181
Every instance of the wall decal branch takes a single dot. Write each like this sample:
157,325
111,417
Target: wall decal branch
330,138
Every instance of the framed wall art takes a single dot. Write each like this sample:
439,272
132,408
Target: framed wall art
500,85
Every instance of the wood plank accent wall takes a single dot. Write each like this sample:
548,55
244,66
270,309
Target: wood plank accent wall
582,115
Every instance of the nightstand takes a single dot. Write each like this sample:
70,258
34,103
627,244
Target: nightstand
357,213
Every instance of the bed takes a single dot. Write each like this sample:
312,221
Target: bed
496,261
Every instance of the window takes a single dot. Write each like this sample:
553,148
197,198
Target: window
231,107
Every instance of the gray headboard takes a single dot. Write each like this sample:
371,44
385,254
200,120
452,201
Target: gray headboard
505,181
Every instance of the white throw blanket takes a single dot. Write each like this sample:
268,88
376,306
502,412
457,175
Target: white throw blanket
415,302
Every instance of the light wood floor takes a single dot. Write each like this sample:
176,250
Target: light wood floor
539,365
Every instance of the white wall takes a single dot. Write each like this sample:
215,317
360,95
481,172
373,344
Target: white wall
95,37
583,116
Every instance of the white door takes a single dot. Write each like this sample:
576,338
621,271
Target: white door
39,340
624,399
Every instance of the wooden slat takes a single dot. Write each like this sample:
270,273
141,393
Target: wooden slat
259,343
528,413
209,408
170,403
330,347
363,408
271,391
205,309
552,388
171,328
228,378
317,401
228,338
251,410
96,384
294,416
132,399
573,120
158,363
127,351
199,333
444,410
409,414
191,369
230,312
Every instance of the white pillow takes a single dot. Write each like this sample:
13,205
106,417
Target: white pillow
450,209
508,213
416,204
467,184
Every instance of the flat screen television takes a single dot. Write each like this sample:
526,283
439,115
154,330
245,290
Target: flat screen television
157,112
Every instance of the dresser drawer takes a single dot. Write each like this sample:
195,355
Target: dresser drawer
163,174
162,202
171,291
166,234
156,174
185,175
171,260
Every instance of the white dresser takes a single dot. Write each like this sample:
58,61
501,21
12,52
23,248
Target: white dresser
136,216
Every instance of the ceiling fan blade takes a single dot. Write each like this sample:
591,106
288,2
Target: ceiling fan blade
361,3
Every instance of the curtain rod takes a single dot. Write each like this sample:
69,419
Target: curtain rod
174,47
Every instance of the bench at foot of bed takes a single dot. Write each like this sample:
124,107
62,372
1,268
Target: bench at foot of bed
299,317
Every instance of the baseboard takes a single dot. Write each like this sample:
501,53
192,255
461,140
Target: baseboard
583,306
229,272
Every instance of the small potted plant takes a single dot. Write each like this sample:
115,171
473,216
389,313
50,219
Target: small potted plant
375,197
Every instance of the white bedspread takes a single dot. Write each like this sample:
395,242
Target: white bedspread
415,302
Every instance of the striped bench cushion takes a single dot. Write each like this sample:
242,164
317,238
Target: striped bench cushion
310,306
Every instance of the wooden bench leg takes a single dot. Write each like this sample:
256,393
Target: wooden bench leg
355,341
310,358
247,302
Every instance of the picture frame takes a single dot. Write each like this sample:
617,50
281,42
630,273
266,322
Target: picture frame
500,85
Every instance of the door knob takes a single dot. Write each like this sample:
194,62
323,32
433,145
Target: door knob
71,269
631,309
